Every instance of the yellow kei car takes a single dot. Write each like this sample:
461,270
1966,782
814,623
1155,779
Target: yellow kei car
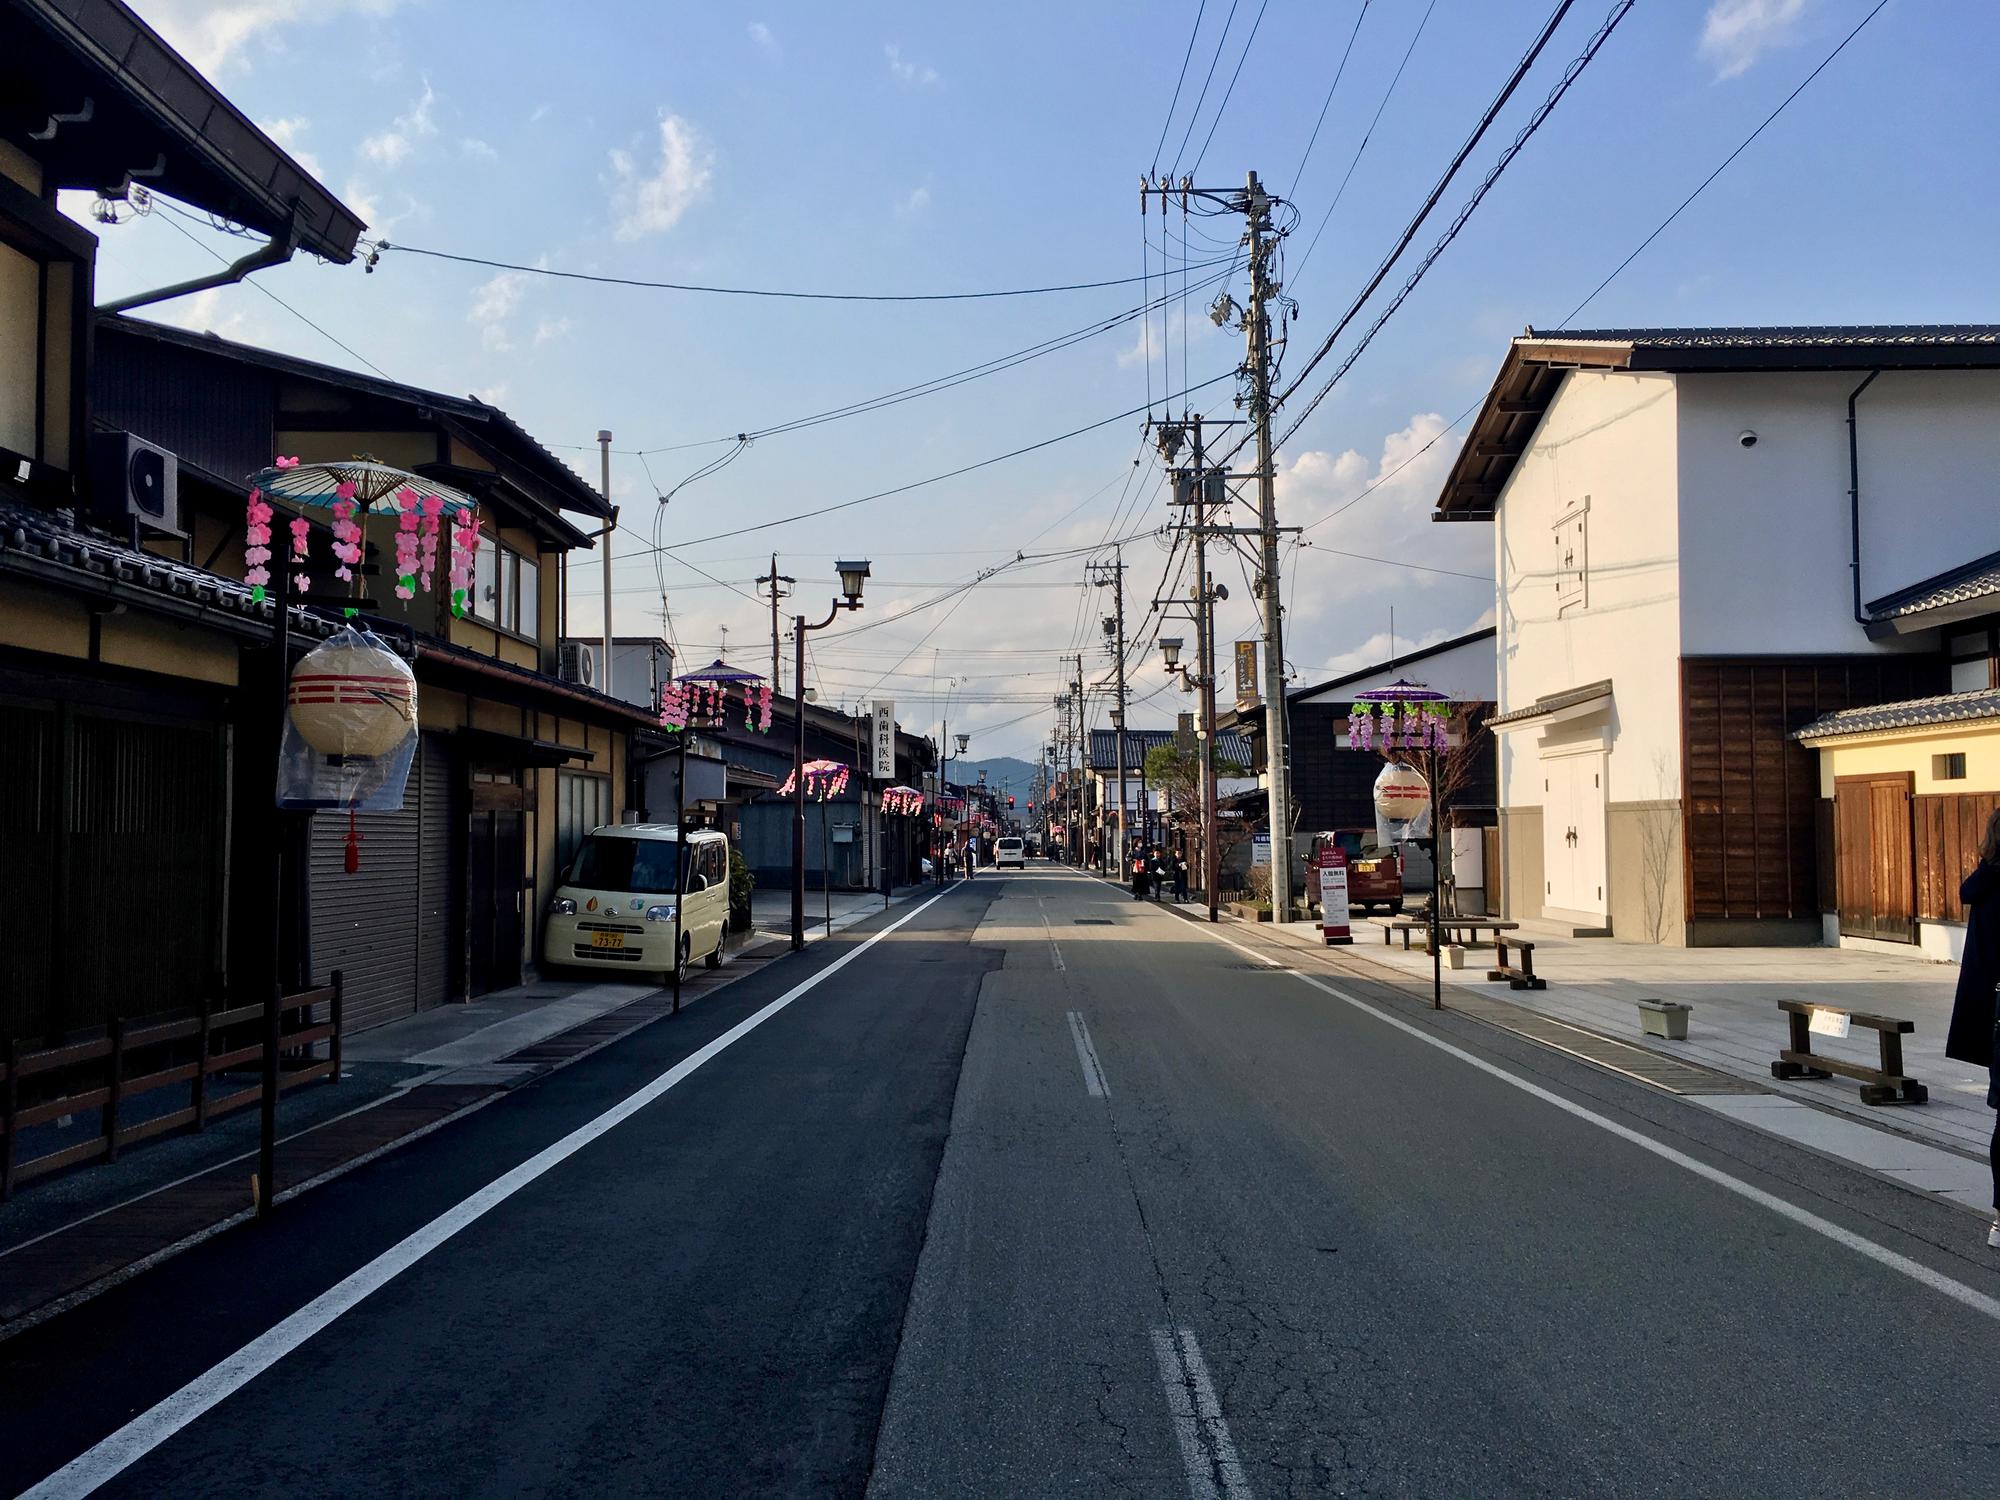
614,907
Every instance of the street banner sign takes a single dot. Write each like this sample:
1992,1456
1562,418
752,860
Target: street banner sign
1334,919
1260,849
882,740
1246,671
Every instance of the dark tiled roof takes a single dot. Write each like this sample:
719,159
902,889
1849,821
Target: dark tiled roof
1911,713
1489,633
1552,703
44,546
1978,579
1229,746
1537,363
1808,336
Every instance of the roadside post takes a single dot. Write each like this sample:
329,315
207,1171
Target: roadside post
1334,919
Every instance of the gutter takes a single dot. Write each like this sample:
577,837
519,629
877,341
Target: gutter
273,252
1854,494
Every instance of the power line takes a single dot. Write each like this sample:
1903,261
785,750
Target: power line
1327,103
1174,103
746,291
1570,75
917,484
1240,60
1723,165
1430,202
259,286
1195,113
1366,136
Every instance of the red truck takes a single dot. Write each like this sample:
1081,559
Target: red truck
1374,874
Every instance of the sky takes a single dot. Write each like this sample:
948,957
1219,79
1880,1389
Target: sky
919,148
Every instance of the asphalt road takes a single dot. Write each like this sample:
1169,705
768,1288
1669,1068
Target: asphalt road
1051,1192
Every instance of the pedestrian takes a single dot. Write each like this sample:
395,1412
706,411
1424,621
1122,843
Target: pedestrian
1180,876
1159,871
1140,876
1974,1036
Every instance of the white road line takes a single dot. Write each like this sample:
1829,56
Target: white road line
1054,950
114,1454
1882,1255
1086,1054
1207,1452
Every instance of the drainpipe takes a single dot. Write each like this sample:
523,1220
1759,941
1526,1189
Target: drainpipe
273,252
1854,493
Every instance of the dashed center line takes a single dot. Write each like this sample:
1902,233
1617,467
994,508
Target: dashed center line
1086,1054
1214,1471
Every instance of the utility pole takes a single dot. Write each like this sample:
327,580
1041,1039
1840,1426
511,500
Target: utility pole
1204,636
610,525
775,581
1257,208
1080,759
1113,573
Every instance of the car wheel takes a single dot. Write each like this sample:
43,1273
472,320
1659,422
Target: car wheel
714,959
681,969
1395,908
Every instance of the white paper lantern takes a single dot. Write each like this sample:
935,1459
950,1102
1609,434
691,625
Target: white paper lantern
352,696
1400,793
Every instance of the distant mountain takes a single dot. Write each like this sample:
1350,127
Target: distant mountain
1004,773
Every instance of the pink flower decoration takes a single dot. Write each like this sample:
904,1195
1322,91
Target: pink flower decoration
284,463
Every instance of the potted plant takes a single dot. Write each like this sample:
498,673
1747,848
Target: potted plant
1666,1019
741,883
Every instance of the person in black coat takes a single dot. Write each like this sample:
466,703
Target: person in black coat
1972,1035
1142,876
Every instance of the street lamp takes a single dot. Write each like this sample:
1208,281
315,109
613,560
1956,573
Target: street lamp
1170,652
852,575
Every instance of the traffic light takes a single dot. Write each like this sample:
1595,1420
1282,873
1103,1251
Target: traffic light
1031,807
1010,801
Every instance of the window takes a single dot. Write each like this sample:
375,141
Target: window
1975,660
644,867
1948,767
583,802
506,589
1571,558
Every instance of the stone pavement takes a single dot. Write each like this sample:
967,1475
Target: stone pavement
771,909
1736,1028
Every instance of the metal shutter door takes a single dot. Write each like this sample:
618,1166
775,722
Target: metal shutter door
441,885
365,924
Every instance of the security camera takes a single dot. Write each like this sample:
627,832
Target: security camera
1747,438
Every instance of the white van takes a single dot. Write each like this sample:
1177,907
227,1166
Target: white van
1010,852
614,907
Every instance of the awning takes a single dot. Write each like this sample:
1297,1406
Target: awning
518,750
1574,703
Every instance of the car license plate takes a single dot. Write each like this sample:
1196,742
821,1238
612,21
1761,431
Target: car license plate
607,940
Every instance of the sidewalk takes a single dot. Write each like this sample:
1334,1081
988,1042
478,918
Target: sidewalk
771,909
1937,1148
70,1235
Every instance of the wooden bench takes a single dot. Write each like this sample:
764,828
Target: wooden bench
1406,926
1449,926
1521,978
1884,1085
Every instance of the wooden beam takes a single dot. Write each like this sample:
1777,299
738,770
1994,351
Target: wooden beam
1519,408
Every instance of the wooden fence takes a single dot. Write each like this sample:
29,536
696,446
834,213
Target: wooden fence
106,1070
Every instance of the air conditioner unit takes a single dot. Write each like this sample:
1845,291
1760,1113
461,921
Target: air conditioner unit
577,663
132,480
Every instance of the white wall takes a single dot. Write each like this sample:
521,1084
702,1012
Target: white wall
1609,438
1766,542
1467,674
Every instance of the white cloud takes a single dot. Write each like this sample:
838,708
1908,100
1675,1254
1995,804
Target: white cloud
1739,32
908,70
213,34
761,35
392,146
653,202
539,113
492,395
913,203
549,329
1382,646
472,146
493,304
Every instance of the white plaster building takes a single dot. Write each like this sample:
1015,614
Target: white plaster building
1687,526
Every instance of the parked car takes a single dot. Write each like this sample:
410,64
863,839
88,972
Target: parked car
614,907
1010,852
1374,873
